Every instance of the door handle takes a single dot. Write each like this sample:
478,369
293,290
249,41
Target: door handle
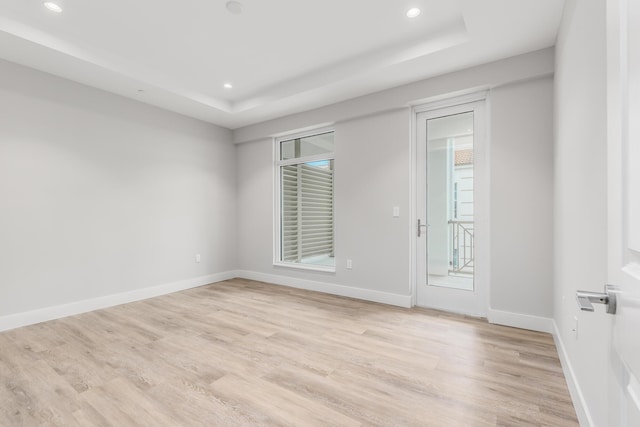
609,298
420,227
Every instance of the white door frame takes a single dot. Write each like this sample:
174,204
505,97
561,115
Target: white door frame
481,205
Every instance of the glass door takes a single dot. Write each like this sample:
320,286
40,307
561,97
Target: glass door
447,242
450,201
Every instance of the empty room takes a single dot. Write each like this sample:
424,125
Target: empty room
320,213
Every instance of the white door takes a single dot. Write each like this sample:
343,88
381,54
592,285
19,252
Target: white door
624,207
451,228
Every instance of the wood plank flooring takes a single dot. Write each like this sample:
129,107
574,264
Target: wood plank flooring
245,353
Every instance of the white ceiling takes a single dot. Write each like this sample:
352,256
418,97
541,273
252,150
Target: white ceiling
282,56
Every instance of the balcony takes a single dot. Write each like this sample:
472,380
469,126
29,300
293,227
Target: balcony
461,256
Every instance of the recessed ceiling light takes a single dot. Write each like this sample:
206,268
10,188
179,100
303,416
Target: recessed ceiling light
228,86
413,12
53,7
234,7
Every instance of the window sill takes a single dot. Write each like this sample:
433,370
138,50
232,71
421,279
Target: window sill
311,267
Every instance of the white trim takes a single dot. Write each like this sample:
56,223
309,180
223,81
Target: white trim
487,208
579,402
451,102
26,318
413,204
275,200
522,321
329,288
304,132
312,267
454,310
306,159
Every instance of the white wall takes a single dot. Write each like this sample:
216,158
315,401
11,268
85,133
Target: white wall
522,198
373,175
518,68
580,215
103,195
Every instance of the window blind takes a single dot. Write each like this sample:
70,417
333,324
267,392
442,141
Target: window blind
307,211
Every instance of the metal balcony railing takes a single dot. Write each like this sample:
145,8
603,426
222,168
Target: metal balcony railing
461,256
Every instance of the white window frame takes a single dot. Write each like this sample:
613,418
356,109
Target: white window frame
277,232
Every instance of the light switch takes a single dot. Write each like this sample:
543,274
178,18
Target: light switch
396,211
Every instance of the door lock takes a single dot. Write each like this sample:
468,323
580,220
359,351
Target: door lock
609,298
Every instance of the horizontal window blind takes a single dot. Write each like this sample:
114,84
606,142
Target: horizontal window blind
289,214
307,211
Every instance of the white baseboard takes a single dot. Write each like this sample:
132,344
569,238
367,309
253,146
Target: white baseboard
329,288
579,402
17,320
522,321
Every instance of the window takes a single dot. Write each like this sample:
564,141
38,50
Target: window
305,184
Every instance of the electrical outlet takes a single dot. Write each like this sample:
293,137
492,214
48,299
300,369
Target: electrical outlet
197,257
349,264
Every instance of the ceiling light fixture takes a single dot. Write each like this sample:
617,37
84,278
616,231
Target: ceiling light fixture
413,12
228,86
53,7
234,7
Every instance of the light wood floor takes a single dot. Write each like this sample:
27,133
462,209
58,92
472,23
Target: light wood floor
243,353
